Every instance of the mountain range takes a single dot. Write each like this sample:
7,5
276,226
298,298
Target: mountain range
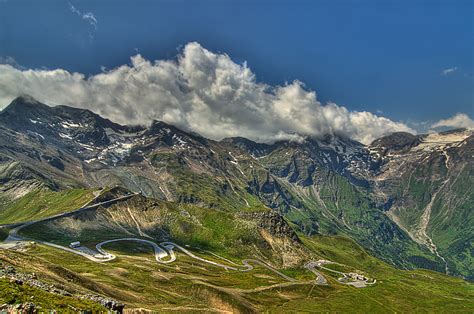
405,199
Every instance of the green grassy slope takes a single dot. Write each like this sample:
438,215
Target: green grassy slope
136,279
451,222
215,190
372,228
189,285
453,230
335,206
224,232
43,203
420,290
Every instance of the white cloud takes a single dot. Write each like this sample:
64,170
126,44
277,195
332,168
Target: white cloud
89,17
201,91
11,61
74,10
459,120
449,71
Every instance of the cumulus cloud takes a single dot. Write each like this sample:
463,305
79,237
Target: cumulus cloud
200,91
449,71
459,120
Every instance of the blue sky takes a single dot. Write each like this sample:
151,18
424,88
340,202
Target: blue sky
411,61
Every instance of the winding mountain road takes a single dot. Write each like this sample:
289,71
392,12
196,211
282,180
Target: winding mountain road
164,252
160,253
320,279
356,283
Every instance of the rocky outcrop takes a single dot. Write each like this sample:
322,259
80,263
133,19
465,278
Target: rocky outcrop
280,236
106,302
276,225
22,278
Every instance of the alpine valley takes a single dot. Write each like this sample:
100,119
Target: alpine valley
100,216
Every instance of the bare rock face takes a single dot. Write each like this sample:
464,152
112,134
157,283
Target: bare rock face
277,227
279,235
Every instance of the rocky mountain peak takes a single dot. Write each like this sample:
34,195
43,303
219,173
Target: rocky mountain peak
60,124
253,148
172,135
24,105
27,110
25,99
395,142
